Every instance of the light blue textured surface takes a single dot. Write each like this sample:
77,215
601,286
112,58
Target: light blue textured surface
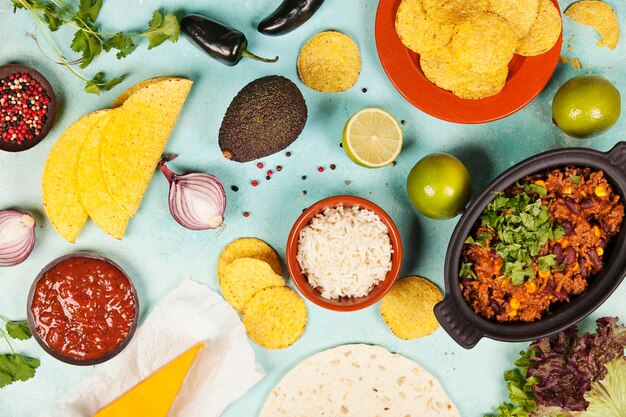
158,253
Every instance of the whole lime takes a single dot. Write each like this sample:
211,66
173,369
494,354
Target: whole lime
439,186
586,106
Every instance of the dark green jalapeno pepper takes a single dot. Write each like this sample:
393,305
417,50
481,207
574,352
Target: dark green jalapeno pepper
225,44
289,15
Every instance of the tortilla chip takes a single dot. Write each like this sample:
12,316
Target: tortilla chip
454,11
408,307
418,31
247,247
329,62
130,91
135,138
443,71
275,317
98,202
600,16
483,43
544,33
59,184
245,276
520,14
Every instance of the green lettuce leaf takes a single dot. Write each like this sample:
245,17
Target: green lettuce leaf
607,398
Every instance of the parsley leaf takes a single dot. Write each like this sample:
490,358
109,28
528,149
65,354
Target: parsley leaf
123,43
87,44
161,29
88,11
538,189
14,367
575,179
18,330
98,83
466,270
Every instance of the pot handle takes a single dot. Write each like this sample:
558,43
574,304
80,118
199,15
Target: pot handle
617,156
457,326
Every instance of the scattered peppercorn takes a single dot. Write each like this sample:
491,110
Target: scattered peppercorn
234,188
364,90
24,108
279,168
268,178
270,173
403,122
259,165
303,177
393,164
254,183
303,193
320,169
246,214
333,166
348,182
341,144
288,154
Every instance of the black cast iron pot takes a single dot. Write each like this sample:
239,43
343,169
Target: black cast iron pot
465,326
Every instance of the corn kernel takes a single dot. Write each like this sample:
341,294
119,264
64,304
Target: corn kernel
531,287
575,267
512,313
601,191
583,194
544,274
540,183
566,190
514,303
600,251
596,231
564,243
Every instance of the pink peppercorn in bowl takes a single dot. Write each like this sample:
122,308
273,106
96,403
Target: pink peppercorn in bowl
27,107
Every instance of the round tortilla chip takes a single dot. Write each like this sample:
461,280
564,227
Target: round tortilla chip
419,32
245,276
275,317
520,14
454,11
248,247
440,69
483,43
408,307
544,33
329,62
600,16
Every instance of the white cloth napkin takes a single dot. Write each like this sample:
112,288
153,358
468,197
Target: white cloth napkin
223,371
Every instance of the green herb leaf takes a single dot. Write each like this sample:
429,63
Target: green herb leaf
14,367
123,43
575,179
88,10
88,45
98,83
161,29
19,330
545,263
538,189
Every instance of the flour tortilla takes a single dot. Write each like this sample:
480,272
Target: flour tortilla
357,381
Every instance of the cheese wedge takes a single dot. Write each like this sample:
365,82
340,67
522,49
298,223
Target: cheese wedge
154,395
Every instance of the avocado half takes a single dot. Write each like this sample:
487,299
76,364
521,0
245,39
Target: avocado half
265,117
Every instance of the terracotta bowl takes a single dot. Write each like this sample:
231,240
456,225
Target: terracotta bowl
72,361
9,69
344,303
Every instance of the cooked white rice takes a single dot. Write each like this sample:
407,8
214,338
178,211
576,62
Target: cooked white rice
345,252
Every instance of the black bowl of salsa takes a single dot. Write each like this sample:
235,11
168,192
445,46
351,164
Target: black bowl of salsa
467,327
83,309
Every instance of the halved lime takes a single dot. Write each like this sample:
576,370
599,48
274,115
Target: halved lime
372,138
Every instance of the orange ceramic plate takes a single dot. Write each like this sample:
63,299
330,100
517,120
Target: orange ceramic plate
527,77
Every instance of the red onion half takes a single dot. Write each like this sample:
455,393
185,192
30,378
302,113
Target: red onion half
17,237
197,200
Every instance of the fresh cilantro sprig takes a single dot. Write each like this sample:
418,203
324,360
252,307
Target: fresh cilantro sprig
522,225
89,41
13,366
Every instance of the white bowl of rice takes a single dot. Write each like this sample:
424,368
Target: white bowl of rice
344,253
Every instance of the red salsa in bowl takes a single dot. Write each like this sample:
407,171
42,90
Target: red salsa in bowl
83,309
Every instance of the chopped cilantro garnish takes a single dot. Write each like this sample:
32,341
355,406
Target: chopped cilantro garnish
575,179
521,227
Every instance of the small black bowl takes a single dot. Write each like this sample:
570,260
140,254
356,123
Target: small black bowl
464,325
57,355
9,69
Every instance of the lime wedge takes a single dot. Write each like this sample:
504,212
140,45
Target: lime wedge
372,138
